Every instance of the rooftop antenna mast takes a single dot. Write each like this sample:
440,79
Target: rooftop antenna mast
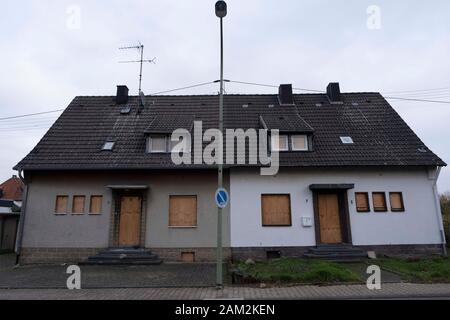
140,48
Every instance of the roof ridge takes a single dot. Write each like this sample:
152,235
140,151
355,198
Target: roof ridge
228,95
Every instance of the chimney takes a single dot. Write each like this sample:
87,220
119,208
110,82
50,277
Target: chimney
122,95
285,96
334,92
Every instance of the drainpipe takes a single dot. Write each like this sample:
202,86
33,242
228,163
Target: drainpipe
439,212
18,247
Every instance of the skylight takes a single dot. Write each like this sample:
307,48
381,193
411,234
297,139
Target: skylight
347,140
108,146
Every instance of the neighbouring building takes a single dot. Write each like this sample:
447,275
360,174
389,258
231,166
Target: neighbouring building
351,172
10,206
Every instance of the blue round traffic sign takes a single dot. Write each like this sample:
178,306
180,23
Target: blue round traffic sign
222,198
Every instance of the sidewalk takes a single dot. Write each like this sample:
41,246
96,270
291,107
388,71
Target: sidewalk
388,291
7,261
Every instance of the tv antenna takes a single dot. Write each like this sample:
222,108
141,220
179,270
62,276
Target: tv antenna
140,48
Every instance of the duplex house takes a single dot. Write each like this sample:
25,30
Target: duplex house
351,172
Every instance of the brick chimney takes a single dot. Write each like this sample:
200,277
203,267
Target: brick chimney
122,95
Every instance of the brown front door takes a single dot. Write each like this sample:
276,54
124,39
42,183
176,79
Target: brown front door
130,221
329,219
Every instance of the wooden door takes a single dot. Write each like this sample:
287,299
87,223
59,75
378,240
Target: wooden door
329,220
130,221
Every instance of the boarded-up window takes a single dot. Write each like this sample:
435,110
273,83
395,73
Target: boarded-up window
379,201
95,206
276,210
362,202
183,211
78,204
396,199
61,204
188,257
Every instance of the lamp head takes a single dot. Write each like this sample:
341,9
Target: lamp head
221,9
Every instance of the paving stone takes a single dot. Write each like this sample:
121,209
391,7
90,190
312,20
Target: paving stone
391,291
166,275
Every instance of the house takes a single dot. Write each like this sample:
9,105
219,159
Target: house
10,206
12,189
351,172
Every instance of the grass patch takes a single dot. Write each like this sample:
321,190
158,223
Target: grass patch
419,270
298,271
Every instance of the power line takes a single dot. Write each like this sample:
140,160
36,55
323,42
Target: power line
425,95
59,110
24,128
27,121
183,88
417,100
31,114
274,86
413,91
319,91
404,98
440,96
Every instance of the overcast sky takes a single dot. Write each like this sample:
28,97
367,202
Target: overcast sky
53,51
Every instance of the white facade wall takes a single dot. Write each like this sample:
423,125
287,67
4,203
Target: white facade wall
419,223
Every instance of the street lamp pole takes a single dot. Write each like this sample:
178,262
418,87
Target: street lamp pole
221,12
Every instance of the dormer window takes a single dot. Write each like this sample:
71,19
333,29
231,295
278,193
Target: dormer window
157,144
292,142
164,144
299,142
282,144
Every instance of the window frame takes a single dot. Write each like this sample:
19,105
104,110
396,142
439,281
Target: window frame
196,211
366,194
402,209
299,135
272,145
290,211
67,205
73,205
150,144
189,146
377,209
90,205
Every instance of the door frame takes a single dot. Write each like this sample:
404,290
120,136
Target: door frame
117,194
344,215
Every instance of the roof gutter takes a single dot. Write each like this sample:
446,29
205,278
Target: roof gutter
439,212
18,246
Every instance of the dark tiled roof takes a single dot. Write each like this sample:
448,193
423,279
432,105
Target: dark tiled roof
285,123
381,137
168,123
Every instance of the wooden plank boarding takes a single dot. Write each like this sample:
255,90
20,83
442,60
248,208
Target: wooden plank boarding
330,225
130,221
